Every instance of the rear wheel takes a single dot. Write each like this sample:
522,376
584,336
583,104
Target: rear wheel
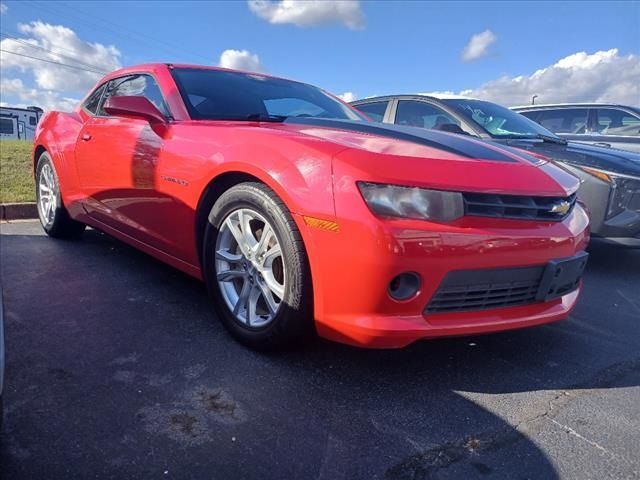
257,270
53,215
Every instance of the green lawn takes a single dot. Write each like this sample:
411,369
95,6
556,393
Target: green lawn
16,177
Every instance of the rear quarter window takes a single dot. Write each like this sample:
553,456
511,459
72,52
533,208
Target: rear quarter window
374,110
616,122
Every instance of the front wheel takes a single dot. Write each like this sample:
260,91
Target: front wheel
257,270
53,215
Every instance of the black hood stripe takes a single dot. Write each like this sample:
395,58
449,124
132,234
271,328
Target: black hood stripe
452,143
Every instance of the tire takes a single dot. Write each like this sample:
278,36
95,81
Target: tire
229,271
54,218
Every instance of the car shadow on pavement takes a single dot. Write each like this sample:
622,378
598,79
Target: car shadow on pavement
118,367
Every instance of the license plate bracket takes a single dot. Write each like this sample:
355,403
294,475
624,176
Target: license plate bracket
561,277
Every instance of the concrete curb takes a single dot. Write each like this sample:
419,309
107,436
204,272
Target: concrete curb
18,211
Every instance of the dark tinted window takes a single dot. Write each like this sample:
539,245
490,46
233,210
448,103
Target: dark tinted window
32,121
223,95
564,120
375,110
6,126
137,86
421,114
91,105
531,115
617,122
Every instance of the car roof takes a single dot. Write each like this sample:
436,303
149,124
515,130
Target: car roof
150,67
445,96
564,105
432,96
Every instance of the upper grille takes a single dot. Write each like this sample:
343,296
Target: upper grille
518,206
465,290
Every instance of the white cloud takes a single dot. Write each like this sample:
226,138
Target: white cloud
348,97
45,99
478,46
48,85
604,76
307,13
241,60
69,46
3,8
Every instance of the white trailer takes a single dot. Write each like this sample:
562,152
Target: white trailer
19,123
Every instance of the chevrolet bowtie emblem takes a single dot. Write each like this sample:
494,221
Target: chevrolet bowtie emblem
561,208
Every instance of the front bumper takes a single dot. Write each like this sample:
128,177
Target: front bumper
352,268
399,331
624,224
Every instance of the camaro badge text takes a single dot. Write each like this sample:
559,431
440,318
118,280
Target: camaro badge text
184,183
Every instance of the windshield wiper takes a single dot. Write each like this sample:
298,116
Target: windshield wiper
550,139
261,117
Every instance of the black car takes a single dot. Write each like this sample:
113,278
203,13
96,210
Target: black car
606,125
610,177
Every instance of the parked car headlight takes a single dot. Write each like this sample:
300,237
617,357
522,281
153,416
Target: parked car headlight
412,202
625,190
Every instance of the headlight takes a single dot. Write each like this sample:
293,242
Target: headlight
412,202
623,189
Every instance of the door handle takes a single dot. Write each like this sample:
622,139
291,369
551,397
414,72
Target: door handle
86,137
603,144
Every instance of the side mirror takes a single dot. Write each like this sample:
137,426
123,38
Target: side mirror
134,107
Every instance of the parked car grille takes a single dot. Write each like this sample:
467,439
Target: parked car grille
465,290
518,206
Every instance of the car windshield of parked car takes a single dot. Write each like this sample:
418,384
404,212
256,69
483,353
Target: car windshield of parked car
496,120
226,95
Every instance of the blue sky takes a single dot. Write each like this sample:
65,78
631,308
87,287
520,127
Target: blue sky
400,46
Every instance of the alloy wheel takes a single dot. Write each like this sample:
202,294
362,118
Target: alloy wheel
47,194
250,268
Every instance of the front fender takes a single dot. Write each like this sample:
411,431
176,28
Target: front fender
299,173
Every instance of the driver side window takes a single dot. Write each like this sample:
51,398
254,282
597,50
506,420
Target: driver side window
564,120
91,105
135,85
425,115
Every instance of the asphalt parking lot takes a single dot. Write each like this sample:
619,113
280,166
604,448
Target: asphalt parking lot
118,368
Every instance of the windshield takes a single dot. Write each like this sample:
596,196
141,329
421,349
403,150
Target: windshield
498,121
225,95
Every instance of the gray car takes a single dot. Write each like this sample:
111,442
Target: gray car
605,125
610,178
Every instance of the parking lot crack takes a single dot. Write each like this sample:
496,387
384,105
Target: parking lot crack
426,464
572,432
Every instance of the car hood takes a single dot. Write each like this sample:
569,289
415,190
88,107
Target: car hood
575,153
433,159
398,139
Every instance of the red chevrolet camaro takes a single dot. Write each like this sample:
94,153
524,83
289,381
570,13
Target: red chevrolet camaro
302,216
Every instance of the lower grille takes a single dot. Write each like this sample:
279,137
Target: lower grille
518,206
465,290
